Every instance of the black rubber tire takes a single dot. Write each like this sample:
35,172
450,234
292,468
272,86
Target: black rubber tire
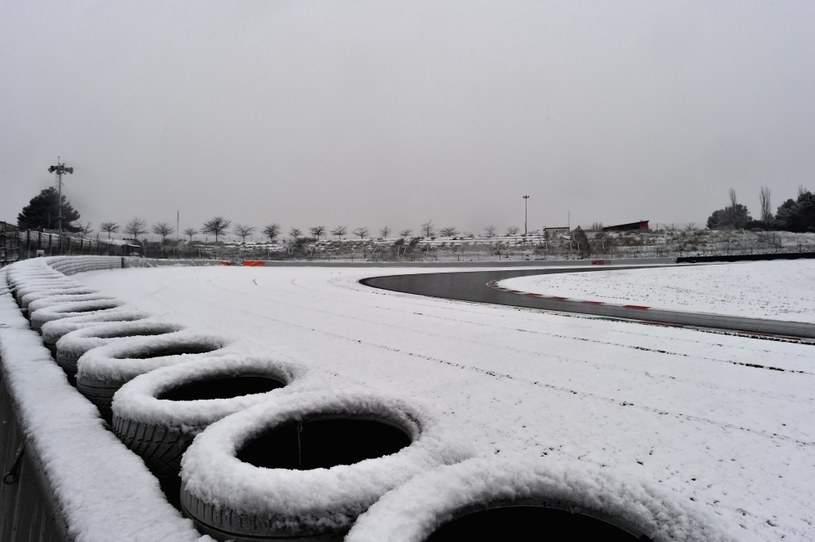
173,424
54,330
73,345
480,495
270,500
40,317
105,369
160,446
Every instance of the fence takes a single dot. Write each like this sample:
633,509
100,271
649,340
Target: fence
16,244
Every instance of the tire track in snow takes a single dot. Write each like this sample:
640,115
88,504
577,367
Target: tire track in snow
591,318
625,370
595,341
535,383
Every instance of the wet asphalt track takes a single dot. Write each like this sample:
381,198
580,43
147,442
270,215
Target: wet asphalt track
479,287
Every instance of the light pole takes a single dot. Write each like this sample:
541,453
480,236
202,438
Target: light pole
60,170
526,201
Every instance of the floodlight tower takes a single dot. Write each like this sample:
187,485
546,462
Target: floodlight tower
60,170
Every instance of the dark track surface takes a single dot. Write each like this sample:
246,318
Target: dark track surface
474,286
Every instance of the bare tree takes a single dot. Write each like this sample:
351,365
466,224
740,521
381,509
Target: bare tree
109,227
137,226
384,231
764,200
317,231
189,232
271,231
243,231
85,229
449,231
429,229
216,226
405,233
339,231
361,232
513,230
490,231
732,209
295,233
164,230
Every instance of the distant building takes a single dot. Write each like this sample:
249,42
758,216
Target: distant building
642,225
555,230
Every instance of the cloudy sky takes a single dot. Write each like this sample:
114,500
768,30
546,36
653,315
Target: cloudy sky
382,112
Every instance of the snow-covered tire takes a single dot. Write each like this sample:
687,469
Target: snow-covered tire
158,413
55,299
30,297
105,369
24,289
40,317
304,466
54,330
511,499
71,346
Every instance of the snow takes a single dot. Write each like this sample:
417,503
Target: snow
55,329
104,491
411,512
314,500
67,309
779,290
26,299
58,299
720,421
137,400
72,345
117,362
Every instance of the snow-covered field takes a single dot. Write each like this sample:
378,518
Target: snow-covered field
779,290
723,421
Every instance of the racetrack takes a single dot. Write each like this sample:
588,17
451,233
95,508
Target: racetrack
721,420
482,287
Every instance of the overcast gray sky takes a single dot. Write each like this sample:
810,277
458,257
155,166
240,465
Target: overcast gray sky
381,112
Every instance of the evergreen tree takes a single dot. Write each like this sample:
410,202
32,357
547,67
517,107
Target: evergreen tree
42,212
732,217
797,215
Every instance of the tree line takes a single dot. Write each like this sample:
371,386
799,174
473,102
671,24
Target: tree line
795,215
42,213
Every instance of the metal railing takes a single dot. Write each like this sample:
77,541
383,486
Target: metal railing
16,244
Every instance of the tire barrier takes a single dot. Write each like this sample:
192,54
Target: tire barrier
74,480
26,299
532,499
158,413
56,329
70,265
58,299
304,466
42,316
103,370
71,346
52,286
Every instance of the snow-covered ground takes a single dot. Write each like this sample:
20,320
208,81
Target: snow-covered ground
780,290
723,421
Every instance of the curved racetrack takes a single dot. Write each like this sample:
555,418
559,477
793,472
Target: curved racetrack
725,421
